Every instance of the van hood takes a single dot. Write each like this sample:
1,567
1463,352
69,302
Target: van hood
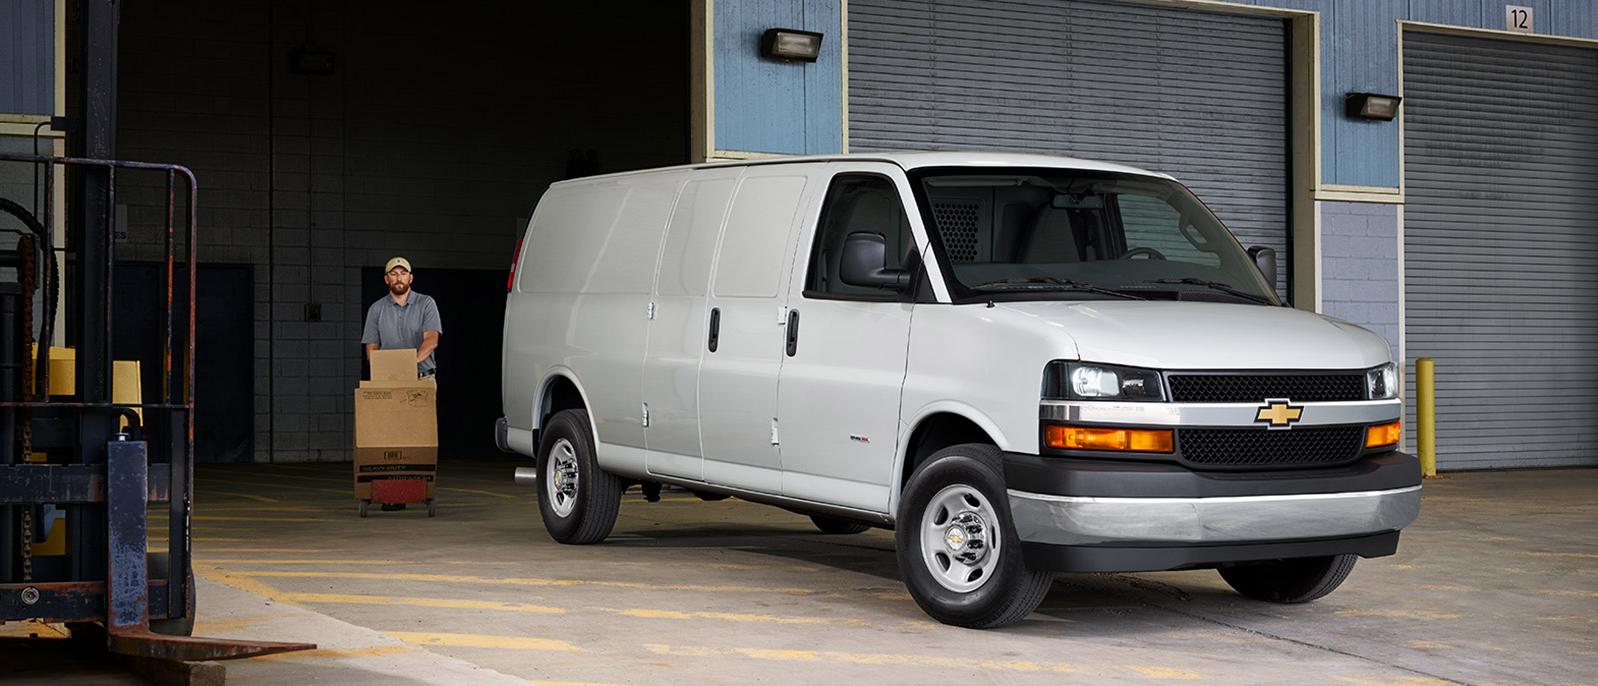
1199,335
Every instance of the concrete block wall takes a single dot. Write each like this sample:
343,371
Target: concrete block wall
1360,265
434,135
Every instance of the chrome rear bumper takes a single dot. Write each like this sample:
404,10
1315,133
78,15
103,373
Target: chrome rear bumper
1078,520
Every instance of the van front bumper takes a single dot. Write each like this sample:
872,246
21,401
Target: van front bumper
1184,519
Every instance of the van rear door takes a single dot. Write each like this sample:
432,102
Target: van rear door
738,381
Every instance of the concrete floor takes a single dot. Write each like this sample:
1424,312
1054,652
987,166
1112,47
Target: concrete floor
1497,583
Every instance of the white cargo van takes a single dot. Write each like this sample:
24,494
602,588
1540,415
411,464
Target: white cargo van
1020,364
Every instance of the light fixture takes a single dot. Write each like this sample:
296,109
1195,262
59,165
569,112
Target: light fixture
1371,106
790,45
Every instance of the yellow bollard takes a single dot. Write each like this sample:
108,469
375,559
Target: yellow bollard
1426,416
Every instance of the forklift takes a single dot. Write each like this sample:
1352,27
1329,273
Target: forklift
79,470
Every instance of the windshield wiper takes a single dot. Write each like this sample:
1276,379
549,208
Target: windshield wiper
1226,288
1051,283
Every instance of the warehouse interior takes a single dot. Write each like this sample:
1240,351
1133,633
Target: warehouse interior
329,137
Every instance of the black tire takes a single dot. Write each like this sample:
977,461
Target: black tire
157,566
709,497
835,526
1011,590
1290,581
590,512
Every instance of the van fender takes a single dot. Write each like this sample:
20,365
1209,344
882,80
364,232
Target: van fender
908,429
560,372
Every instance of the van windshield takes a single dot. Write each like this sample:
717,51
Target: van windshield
1050,234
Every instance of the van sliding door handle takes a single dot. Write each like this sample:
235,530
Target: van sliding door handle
715,328
793,332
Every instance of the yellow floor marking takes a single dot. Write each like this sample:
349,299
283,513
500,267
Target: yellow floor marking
572,683
369,651
730,616
1428,645
268,561
1588,556
246,496
1456,588
243,583
1398,614
227,624
206,509
886,659
208,551
1163,672
205,482
1390,681
1573,594
456,579
451,603
477,492
484,641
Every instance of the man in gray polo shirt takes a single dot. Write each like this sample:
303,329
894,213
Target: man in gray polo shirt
404,319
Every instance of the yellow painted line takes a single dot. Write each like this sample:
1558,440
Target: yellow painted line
1398,614
732,617
259,550
477,492
1572,594
572,683
1163,672
269,561
242,583
204,483
228,624
266,508
247,496
1585,556
1453,588
885,659
484,641
458,579
450,603
369,651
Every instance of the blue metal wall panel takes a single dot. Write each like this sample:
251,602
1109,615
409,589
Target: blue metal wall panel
1358,152
768,106
27,56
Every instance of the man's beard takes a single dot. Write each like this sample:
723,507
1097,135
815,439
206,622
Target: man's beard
398,288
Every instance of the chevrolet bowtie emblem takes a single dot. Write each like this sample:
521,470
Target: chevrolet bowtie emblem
1279,414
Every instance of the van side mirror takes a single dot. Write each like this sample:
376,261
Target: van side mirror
1265,261
865,263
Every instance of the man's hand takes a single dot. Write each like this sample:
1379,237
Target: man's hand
369,348
429,344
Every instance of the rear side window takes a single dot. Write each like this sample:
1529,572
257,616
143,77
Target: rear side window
857,203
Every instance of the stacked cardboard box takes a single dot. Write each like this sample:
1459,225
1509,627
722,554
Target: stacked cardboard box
396,425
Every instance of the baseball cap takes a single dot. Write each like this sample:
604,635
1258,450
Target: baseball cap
397,262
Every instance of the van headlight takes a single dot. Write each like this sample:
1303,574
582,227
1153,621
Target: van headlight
1381,383
1090,381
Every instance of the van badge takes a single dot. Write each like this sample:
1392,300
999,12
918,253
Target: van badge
859,439
1279,413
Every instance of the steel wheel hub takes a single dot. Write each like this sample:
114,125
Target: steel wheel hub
959,541
561,478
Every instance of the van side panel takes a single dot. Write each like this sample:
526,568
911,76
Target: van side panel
679,332
584,292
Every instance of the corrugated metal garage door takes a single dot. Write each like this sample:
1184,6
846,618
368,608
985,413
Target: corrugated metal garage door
1501,246
1199,95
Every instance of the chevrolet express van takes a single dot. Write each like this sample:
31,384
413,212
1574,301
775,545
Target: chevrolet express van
1020,364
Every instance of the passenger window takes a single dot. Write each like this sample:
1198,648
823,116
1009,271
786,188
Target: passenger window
858,203
1150,222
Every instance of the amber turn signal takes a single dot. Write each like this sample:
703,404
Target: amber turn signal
1382,435
1097,438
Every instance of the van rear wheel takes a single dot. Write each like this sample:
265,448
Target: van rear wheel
1290,581
956,543
577,500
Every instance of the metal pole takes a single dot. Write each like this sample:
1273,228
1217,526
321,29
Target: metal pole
1426,416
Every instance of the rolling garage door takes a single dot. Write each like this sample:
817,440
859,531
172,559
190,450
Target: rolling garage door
1198,95
1501,246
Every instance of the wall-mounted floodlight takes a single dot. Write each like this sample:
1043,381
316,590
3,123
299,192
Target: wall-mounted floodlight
1371,106
790,45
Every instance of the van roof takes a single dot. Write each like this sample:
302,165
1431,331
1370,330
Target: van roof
907,161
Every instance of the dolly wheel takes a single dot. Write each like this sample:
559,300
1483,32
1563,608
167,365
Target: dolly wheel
361,507
429,507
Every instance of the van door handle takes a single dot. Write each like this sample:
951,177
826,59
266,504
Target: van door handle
793,332
715,328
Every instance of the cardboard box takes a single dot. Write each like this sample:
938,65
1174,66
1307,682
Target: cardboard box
396,425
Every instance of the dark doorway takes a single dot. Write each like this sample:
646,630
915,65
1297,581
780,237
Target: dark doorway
224,383
471,304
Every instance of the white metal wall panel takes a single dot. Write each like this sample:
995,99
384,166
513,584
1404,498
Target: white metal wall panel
1199,95
1501,246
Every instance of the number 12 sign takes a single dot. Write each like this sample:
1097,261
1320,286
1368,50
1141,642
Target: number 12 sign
1517,18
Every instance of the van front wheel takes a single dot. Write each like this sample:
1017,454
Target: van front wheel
956,544
577,499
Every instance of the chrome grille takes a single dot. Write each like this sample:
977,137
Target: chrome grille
1304,446
1254,388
